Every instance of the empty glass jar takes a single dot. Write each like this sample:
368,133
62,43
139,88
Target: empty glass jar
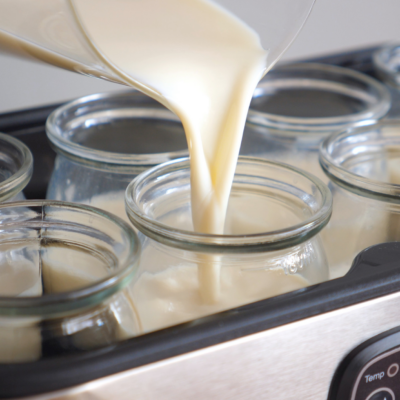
63,273
363,165
386,61
270,245
16,167
103,141
295,107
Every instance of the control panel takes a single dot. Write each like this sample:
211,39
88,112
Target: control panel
371,371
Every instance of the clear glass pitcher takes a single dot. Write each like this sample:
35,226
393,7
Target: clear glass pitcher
48,31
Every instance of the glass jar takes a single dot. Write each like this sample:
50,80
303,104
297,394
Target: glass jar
107,140
386,61
63,273
16,167
363,165
296,106
270,245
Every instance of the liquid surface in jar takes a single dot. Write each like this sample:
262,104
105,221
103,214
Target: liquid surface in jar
168,291
113,202
20,338
172,296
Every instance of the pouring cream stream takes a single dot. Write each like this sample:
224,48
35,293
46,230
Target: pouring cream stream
203,64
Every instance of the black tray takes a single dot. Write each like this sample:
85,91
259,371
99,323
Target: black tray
375,273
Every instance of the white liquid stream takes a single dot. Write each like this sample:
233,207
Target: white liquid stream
203,64
198,60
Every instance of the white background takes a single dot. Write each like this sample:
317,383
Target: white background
334,25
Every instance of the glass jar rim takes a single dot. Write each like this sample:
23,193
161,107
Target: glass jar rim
18,180
68,147
358,184
73,300
257,242
321,126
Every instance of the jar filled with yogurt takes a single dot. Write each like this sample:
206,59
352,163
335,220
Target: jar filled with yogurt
363,165
63,272
270,243
295,107
103,141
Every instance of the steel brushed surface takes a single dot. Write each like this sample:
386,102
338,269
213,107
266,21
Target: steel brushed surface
291,362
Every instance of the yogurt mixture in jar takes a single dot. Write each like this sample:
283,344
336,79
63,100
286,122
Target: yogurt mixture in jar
172,296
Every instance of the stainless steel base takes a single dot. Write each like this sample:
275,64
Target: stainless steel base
292,362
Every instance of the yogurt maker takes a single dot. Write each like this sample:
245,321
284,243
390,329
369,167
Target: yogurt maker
339,339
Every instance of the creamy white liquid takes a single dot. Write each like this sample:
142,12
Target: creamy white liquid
392,215
356,224
357,221
70,269
113,203
202,63
20,276
394,170
172,296
167,291
198,60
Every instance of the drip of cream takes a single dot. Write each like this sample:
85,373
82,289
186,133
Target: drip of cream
202,63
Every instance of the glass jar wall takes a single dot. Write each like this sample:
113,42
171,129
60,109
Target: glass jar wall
270,245
63,273
16,167
386,61
103,141
363,165
295,107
